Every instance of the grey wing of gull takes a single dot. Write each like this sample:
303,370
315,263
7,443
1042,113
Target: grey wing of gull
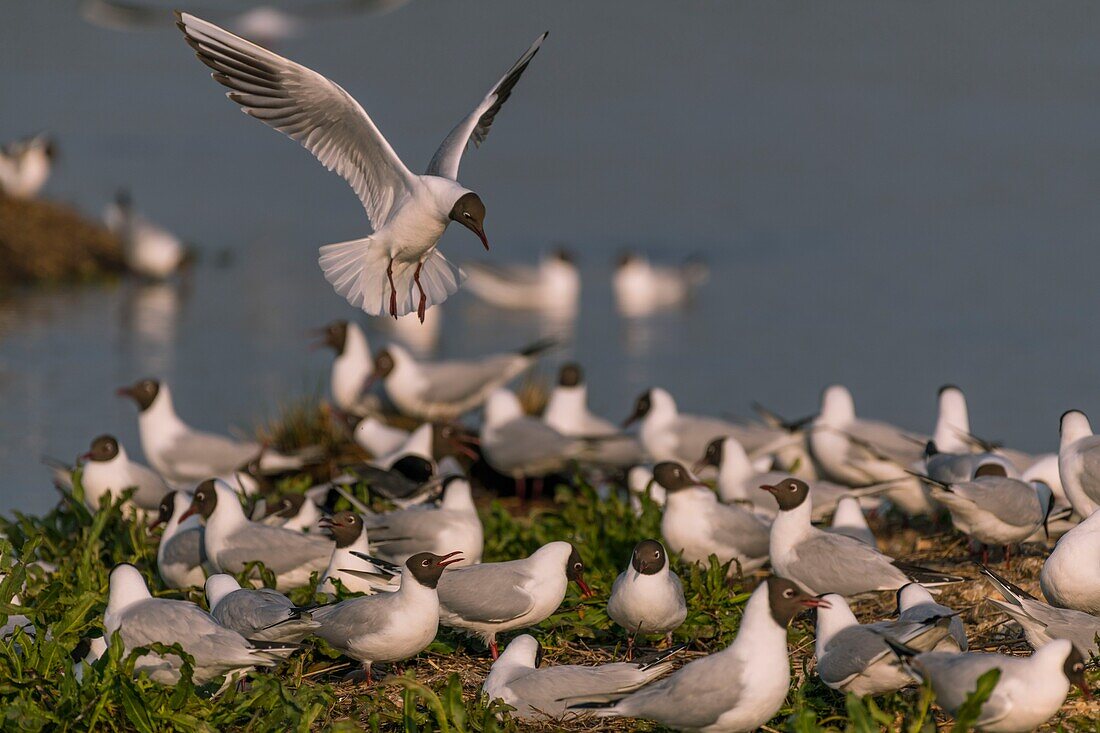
150,487
168,622
198,454
832,563
185,548
1012,502
850,652
693,697
924,611
856,648
490,593
740,529
247,611
280,550
528,442
1055,623
340,621
453,381
551,690
902,447
1090,467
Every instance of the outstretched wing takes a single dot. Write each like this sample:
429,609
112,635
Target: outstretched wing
308,108
476,125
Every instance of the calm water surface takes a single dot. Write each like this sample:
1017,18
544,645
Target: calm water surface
891,195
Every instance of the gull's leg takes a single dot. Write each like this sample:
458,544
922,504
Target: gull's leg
493,649
423,296
1008,556
393,290
521,489
537,489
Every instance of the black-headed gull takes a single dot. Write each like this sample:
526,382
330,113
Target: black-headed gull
669,435
739,480
737,689
647,597
855,658
825,562
857,452
1069,578
696,525
454,523
349,532
994,509
256,613
539,693
396,270
389,627
350,369
444,390
1079,462
184,455
148,249
1041,621
491,598
141,620
232,541
642,288
25,166
181,554
554,284
915,603
1028,693
108,471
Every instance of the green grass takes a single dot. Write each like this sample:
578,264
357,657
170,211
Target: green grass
438,691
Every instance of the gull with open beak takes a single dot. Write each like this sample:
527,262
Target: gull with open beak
389,627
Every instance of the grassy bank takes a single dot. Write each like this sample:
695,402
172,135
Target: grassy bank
42,242
440,689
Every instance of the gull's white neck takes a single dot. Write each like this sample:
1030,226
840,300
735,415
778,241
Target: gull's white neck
760,640
952,423
1075,426
837,617
734,470
566,408
159,422
351,368
127,587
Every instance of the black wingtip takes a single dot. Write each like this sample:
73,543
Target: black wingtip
539,347
592,705
667,654
901,650
1003,584
925,576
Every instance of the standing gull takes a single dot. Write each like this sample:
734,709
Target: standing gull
1079,462
388,627
349,532
1069,578
491,598
350,369
737,689
397,269
25,166
824,562
554,284
647,597
697,526
454,523
150,250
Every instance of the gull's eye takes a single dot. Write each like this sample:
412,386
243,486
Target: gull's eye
467,214
578,566
792,487
1078,667
426,563
788,593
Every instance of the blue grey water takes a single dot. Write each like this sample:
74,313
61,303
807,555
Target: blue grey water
891,195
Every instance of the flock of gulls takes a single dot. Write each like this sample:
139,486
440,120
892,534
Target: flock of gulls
789,496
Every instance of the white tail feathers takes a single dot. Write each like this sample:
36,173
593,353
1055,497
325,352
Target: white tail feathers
357,270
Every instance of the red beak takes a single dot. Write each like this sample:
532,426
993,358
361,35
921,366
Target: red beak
451,558
123,392
155,523
815,603
191,510
83,457
769,489
586,592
